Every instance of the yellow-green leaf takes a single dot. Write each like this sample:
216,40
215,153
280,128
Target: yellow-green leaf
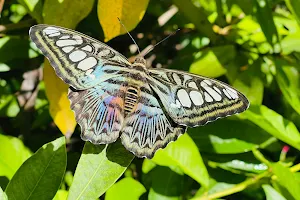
54,12
130,12
57,91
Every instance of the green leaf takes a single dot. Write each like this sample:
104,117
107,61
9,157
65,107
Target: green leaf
12,154
211,62
61,195
184,154
264,16
287,179
98,169
166,184
291,43
228,137
271,193
40,175
294,6
287,77
127,187
196,16
274,124
34,7
3,196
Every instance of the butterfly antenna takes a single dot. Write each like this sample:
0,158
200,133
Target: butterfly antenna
130,35
173,33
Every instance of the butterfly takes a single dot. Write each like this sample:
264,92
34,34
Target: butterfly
112,98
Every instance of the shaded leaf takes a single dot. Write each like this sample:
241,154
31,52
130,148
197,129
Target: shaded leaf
166,184
127,187
98,169
271,193
45,169
287,179
184,154
196,16
228,137
12,154
34,7
287,77
274,124
130,12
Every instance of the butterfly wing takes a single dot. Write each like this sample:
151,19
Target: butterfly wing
194,100
79,60
99,111
148,128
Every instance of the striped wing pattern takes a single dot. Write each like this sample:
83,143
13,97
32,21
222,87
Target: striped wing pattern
194,100
112,98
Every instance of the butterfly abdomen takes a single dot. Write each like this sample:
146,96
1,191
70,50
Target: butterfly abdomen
131,99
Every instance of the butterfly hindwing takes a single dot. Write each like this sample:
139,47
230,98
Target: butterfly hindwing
147,128
99,111
194,100
80,61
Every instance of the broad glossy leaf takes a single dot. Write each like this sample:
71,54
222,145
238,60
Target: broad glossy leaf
288,77
196,16
293,6
287,179
212,62
184,154
126,187
45,169
98,169
55,13
130,12
271,193
274,124
12,154
166,184
228,137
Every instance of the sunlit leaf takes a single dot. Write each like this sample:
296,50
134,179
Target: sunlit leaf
98,169
271,193
184,154
55,13
287,179
12,154
274,124
45,169
130,12
61,195
3,196
293,6
34,7
291,43
127,187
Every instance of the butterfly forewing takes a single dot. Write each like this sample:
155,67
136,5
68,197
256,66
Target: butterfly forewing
194,100
77,59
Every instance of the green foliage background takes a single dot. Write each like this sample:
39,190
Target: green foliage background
251,44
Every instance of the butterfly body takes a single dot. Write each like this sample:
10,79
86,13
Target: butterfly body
112,98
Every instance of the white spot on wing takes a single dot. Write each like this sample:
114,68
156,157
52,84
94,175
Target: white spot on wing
193,85
217,89
62,43
50,30
87,48
227,94
232,93
207,82
196,98
211,91
54,34
64,37
208,97
77,55
184,98
68,49
87,63
176,79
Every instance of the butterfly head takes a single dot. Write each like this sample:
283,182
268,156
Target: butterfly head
140,60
